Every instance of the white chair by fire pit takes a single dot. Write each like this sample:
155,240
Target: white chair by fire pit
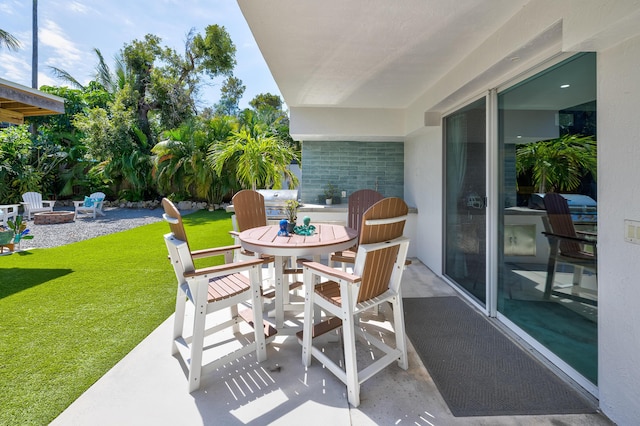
33,203
91,205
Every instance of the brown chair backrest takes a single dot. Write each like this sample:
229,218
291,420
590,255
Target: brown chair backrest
559,217
249,209
359,202
174,218
379,264
386,208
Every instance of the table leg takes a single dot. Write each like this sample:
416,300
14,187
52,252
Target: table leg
280,290
282,302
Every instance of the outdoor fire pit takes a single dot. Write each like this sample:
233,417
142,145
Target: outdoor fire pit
50,218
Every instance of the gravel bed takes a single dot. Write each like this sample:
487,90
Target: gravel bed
85,227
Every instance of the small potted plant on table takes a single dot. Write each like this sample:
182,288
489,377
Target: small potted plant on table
291,207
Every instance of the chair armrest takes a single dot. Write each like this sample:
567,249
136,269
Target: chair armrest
234,233
49,203
328,272
588,235
217,251
570,238
226,269
78,203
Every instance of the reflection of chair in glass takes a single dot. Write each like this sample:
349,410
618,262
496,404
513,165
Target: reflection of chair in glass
565,246
359,202
211,290
376,279
33,203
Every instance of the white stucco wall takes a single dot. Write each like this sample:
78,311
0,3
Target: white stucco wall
423,189
619,261
618,171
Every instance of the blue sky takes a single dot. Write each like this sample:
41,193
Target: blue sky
69,30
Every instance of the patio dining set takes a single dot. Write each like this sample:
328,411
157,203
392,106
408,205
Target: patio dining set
372,244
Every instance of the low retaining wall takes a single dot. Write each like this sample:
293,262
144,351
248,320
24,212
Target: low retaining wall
152,204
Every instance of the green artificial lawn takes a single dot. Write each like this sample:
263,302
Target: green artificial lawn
68,314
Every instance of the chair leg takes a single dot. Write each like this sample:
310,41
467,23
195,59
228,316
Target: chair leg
256,306
350,362
551,268
178,319
197,346
577,275
235,328
309,313
399,329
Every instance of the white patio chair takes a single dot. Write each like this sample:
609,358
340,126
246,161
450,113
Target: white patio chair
8,212
211,290
33,203
344,296
91,205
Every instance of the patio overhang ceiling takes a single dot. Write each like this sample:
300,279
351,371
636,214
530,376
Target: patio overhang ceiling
18,102
351,59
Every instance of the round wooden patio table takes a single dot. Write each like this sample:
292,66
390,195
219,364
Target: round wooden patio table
264,239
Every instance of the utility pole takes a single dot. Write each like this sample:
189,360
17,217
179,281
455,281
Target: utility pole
34,58
34,55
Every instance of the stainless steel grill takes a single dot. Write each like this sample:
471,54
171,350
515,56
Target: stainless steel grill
274,201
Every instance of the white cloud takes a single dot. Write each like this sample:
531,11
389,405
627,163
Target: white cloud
46,80
15,68
78,7
66,54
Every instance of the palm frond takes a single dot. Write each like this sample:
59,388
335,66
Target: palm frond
63,75
9,40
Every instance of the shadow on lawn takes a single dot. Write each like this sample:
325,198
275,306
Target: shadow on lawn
15,280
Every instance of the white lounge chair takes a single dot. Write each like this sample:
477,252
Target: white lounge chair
33,203
91,205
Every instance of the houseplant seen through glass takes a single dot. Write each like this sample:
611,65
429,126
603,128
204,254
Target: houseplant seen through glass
330,192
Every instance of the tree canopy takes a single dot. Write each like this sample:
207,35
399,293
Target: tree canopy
135,132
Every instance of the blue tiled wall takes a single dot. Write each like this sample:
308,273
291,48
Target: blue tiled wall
351,166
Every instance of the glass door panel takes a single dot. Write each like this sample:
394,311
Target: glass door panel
465,195
545,125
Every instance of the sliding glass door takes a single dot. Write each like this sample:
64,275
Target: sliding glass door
547,129
543,139
465,195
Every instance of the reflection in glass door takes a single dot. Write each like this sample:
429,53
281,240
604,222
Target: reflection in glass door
547,129
465,195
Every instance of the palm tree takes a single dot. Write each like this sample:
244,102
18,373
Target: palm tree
9,40
258,161
111,81
558,164
181,163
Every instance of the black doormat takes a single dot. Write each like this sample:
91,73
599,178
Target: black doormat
478,370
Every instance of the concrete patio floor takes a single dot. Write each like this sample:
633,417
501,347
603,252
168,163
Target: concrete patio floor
149,387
